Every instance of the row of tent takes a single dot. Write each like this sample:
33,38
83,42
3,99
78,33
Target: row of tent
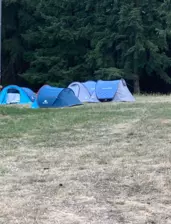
100,91
75,94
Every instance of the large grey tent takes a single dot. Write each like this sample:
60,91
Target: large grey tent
101,91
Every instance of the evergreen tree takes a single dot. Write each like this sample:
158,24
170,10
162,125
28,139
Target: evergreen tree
58,42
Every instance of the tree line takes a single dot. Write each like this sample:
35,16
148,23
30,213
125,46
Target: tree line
60,41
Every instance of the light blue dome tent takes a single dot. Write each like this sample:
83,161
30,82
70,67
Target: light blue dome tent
13,94
52,97
101,91
85,91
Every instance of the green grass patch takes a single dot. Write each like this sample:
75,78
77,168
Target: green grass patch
96,163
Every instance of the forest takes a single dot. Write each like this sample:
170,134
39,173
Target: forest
60,41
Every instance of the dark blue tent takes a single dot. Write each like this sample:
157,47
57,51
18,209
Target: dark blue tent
52,97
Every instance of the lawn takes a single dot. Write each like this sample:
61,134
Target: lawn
104,163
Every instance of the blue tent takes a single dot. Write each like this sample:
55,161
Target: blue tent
100,91
105,90
90,85
115,90
85,91
13,94
52,97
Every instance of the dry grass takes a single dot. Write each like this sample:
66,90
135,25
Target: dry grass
98,164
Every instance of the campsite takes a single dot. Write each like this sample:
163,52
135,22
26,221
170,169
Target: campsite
96,163
85,112
77,93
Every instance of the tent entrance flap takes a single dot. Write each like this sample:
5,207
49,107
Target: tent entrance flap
13,96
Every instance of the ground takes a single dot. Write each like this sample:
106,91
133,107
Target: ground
104,163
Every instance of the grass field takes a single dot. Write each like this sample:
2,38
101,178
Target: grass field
93,164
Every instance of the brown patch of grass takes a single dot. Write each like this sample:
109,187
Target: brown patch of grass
106,163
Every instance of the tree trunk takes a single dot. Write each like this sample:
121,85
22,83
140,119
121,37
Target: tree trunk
136,77
136,84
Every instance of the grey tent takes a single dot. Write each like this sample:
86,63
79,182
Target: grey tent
100,91
84,91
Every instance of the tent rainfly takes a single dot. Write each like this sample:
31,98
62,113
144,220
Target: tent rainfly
84,91
101,91
13,94
52,97
116,91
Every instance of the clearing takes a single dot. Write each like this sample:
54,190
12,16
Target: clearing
104,163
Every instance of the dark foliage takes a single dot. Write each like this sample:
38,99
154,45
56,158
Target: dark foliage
57,42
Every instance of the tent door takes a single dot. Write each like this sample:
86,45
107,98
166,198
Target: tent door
13,96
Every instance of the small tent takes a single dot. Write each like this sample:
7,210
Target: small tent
52,97
13,94
84,91
116,90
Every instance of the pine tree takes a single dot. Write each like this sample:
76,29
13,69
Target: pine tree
58,42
